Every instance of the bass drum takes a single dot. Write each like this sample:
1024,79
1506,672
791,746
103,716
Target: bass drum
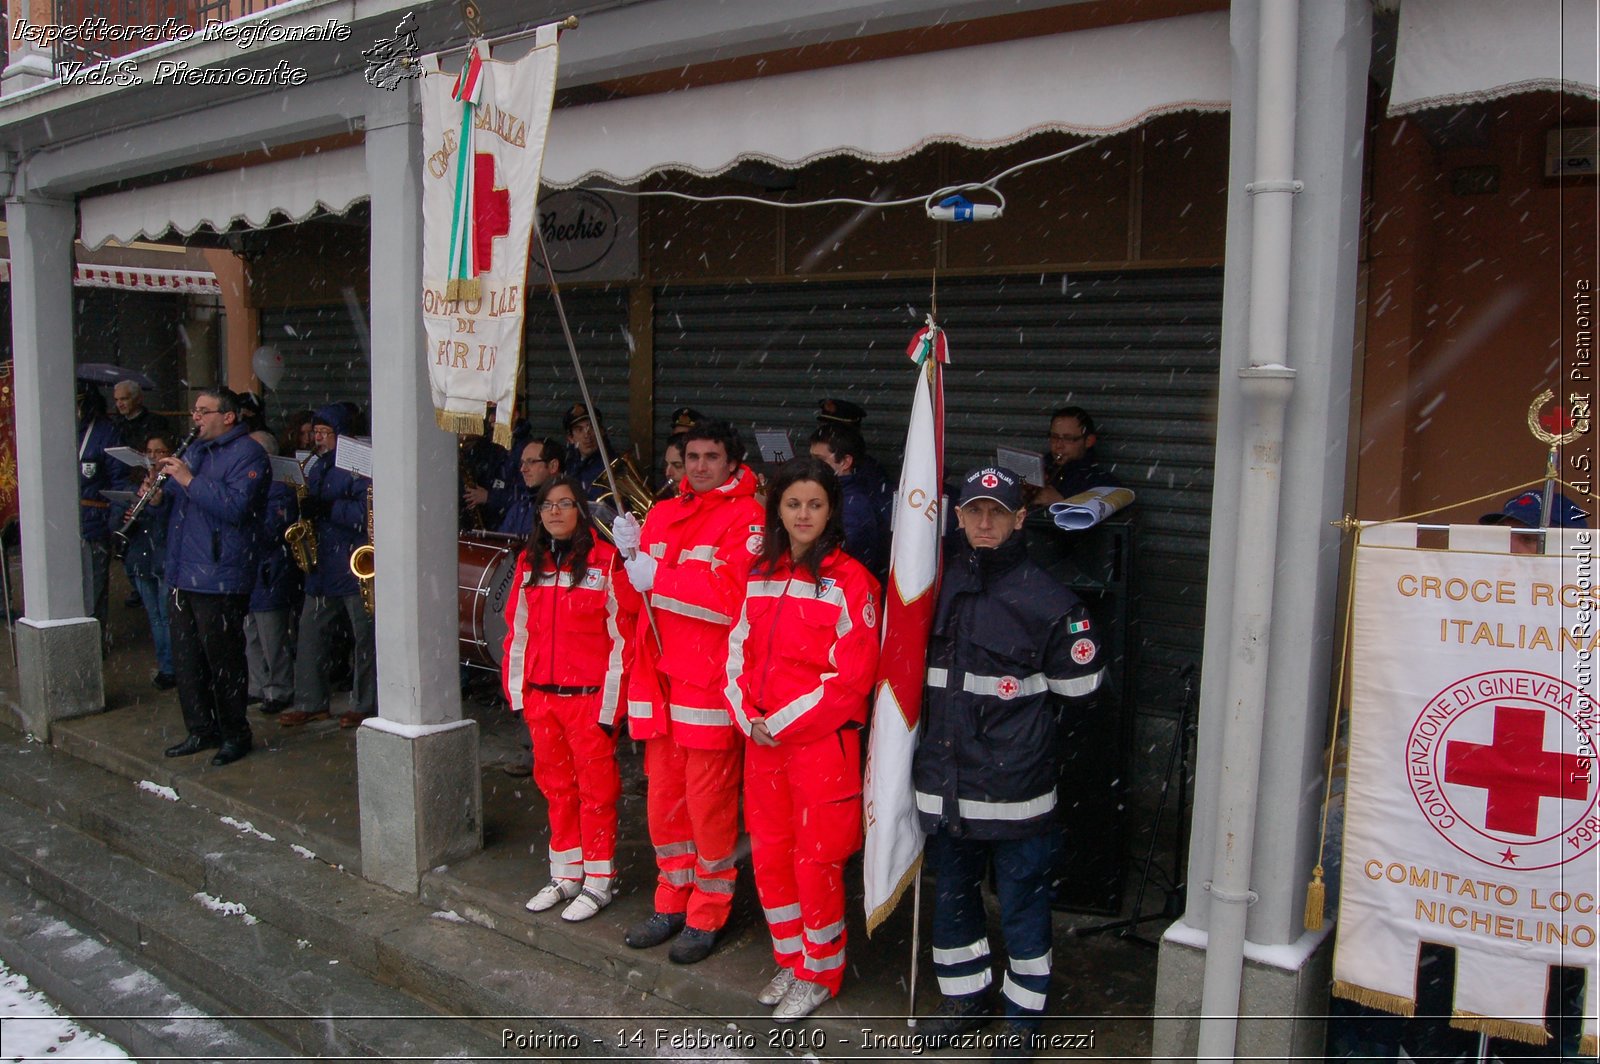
485,564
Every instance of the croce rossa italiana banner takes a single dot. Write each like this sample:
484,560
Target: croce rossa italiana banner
483,134
1471,806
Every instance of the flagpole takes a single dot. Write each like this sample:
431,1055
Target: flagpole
916,947
588,403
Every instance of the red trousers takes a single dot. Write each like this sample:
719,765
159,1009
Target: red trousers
802,805
575,766
693,802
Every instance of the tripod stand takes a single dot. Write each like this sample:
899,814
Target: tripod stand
1177,763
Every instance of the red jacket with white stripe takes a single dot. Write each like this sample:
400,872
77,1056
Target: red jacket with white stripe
703,544
566,629
804,653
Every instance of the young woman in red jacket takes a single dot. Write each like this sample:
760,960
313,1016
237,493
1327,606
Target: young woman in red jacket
565,656
801,663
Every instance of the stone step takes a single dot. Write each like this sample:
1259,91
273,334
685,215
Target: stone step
324,961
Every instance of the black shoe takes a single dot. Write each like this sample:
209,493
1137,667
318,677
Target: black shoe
653,930
1013,1040
231,751
164,681
272,707
252,700
693,946
955,1016
193,745
133,601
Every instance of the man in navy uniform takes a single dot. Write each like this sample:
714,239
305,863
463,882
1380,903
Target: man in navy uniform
1010,651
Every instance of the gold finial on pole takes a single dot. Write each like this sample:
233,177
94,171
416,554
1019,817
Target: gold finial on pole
1575,427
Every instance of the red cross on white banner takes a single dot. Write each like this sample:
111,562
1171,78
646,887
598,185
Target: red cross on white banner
1516,770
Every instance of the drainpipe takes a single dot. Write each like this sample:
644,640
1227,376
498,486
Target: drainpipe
1265,386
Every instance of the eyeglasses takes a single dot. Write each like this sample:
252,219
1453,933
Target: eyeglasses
559,506
1062,437
199,412
526,462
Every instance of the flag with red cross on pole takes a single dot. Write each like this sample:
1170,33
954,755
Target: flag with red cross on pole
483,134
1471,812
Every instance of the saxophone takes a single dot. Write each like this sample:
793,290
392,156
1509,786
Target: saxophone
363,562
302,535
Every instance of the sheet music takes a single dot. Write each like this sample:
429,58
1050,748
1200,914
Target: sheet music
286,470
355,454
1029,465
129,457
774,445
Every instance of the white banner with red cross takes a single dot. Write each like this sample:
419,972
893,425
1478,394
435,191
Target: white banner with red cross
1471,815
483,134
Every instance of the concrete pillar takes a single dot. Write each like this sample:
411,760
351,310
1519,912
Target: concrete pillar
421,795
58,648
1283,976
28,63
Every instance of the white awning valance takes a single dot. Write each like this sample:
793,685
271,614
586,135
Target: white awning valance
1455,52
297,188
1090,81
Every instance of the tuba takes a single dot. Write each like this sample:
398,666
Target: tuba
637,498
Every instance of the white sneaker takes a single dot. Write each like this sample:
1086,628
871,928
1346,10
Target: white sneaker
554,893
773,992
800,1001
589,901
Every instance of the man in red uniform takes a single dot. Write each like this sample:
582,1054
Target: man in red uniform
691,559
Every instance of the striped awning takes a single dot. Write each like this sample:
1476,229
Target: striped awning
128,278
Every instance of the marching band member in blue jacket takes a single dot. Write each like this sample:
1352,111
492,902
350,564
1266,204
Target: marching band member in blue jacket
336,504
219,494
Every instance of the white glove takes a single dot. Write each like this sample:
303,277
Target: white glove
641,570
625,533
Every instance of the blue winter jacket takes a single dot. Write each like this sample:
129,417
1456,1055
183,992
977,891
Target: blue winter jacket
340,517
277,577
214,534
95,474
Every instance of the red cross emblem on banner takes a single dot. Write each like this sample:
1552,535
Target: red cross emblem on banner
1516,770
1007,688
1501,764
989,480
491,211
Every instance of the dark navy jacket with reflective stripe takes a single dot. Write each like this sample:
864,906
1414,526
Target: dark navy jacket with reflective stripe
1010,650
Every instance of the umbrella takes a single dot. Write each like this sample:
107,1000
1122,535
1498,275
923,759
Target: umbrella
107,373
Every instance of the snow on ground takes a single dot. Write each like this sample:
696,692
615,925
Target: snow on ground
31,1029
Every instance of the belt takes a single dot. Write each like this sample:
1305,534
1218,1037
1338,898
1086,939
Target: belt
561,689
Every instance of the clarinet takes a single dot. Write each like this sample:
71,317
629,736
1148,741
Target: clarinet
120,538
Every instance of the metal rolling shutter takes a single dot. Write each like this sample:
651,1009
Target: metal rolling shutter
1139,350
323,357
599,321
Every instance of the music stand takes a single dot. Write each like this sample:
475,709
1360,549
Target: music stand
1177,762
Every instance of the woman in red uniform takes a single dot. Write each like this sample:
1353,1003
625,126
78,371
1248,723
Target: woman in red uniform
801,663
563,671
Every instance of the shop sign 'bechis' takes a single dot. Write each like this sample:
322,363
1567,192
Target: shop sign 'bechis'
483,135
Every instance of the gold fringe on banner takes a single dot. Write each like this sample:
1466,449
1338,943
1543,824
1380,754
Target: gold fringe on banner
502,435
459,423
462,288
1494,1027
1375,999
1316,900
881,913
1589,1046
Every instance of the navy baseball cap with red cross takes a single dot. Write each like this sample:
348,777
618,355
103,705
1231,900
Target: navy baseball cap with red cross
993,482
